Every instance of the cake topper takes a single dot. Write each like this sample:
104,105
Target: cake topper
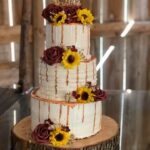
67,2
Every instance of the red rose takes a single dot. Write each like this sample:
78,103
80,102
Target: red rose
49,12
71,12
41,133
53,55
99,94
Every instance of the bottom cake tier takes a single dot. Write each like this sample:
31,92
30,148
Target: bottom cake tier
83,119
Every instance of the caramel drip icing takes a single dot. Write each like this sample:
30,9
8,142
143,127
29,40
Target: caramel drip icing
39,112
49,110
86,72
83,114
60,112
46,73
62,34
68,113
75,34
56,79
67,77
93,69
52,33
77,76
94,118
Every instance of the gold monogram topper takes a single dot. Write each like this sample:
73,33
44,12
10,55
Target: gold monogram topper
67,2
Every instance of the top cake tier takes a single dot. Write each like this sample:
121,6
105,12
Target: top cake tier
68,26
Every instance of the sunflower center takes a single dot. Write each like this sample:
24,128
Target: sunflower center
59,137
85,96
71,59
59,18
84,16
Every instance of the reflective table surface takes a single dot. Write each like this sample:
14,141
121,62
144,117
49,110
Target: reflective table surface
131,109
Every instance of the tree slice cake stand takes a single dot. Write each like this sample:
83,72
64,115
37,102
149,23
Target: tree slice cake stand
106,139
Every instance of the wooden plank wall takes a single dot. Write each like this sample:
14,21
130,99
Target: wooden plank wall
9,74
136,47
4,49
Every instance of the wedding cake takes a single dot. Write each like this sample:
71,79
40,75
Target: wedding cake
67,105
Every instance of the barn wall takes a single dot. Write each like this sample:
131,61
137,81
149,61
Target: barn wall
134,49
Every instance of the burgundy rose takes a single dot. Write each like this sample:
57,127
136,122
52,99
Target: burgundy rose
99,94
41,133
70,10
49,12
71,13
53,55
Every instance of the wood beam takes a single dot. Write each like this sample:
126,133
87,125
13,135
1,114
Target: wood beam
115,28
12,34
8,65
110,29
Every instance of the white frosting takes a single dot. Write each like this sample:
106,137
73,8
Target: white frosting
56,81
68,35
82,122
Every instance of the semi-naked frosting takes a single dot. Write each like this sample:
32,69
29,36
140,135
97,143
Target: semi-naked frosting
68,94
56,81
68,35
83,120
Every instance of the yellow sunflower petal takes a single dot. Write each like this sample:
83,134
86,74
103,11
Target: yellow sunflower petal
63,139
70,59
59,18
85,16
85,95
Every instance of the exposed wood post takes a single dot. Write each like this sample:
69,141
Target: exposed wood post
5,14
148,68
38,36
26,53
115,10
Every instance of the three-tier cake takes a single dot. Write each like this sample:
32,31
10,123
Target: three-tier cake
68,101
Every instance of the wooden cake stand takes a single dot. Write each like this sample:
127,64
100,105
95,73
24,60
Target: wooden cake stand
106,139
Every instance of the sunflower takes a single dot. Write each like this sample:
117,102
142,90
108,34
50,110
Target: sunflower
59,137
85,16
70,59
85,95
60,18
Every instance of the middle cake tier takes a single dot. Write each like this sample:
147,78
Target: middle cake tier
69,34
56,81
